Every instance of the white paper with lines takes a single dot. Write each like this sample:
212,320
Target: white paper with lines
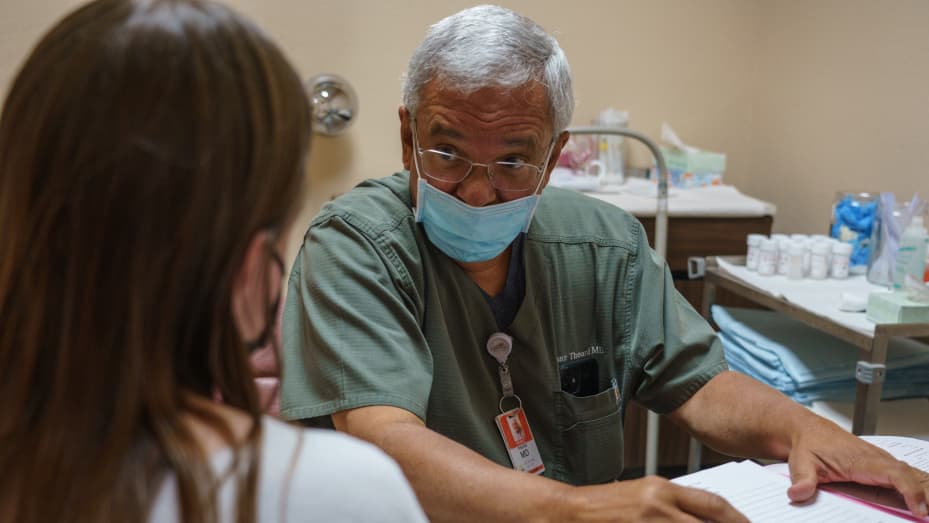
761,495
913,451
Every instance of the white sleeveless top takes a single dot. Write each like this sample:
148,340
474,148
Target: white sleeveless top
335,478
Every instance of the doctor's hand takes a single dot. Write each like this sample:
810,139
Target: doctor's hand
648,499
826,453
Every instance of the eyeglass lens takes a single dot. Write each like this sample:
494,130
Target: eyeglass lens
506,176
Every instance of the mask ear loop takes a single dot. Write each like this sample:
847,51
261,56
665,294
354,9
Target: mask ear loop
419,192
538,197
548,158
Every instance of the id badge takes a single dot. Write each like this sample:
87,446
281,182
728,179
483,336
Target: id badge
519,442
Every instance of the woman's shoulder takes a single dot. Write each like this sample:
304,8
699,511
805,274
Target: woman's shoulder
331,475
285,440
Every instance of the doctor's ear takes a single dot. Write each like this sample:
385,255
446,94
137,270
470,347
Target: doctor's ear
560,142
406,136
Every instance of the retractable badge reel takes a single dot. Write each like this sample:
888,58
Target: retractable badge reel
513,426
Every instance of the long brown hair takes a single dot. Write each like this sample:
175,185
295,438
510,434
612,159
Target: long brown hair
142,144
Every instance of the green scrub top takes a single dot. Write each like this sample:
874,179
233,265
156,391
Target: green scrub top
376,315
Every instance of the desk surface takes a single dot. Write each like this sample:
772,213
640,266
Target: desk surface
638,197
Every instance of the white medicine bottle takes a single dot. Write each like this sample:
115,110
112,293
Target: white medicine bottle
819,260
795,255
783,255
841,257
767,257
754,250
912,252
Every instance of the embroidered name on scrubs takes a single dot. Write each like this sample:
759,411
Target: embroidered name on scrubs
513,426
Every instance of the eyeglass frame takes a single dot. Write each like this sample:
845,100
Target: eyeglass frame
490,174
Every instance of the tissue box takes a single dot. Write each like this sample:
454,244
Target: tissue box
693,168
895,307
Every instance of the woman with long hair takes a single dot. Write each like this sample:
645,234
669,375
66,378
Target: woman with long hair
152,158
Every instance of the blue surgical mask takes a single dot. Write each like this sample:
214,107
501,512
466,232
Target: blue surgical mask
471,234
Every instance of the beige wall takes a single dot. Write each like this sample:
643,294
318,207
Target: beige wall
805,97
841,102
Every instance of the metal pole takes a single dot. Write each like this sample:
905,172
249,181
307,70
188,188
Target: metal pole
661,247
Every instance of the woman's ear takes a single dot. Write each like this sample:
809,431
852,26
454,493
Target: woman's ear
250,288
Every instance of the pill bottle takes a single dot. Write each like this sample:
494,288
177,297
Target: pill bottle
767,257
841,255
807,254
754,249
819,260
783,255
795,261
815,238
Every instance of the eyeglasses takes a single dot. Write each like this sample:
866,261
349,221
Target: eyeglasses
447,167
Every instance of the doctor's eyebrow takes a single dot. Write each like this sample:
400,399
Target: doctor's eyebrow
436,129
522,141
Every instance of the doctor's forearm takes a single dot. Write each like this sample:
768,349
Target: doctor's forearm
452,482
737,415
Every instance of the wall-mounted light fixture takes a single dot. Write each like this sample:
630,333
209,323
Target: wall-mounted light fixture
334,104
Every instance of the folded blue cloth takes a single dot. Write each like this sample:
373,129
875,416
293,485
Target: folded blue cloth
807,364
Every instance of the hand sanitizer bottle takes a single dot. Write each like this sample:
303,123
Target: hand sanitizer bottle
911,254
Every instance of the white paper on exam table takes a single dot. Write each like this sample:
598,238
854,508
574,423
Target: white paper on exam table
912,451
820,297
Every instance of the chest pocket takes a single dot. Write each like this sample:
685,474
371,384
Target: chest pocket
592,434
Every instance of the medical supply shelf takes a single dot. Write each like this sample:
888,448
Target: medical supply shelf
872,346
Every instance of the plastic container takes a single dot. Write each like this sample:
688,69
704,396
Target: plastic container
783,255
841,256
754,249
819,260
926,272
803,239
767,257
816,238
885,238
610,147
853,216
795,261
911,254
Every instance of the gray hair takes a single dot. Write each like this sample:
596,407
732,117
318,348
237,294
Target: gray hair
490,46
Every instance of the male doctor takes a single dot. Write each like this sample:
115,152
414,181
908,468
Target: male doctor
429,308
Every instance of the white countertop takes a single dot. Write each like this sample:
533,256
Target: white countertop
821,297
638,197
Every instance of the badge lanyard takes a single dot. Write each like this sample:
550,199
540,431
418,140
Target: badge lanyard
513,426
